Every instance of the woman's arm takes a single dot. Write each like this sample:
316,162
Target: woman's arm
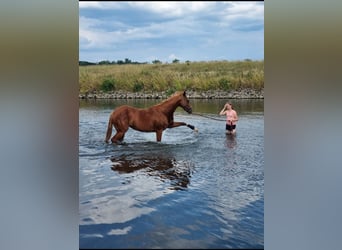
222,112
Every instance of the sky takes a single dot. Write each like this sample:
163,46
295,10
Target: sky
165,31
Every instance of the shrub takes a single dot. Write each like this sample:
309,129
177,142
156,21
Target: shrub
108,85
170,91
224,84
138,87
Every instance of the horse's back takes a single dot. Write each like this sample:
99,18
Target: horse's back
121,112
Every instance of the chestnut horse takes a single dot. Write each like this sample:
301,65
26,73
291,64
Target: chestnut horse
153,119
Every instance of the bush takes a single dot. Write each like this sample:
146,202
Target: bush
170,91
138,87
108,85
224,84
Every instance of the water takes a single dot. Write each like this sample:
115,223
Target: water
191,190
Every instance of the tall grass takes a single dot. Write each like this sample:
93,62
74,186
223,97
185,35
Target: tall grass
200,76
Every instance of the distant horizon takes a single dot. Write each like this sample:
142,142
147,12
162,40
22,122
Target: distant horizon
135,62
187,31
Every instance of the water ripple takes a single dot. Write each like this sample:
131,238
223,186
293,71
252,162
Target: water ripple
191,190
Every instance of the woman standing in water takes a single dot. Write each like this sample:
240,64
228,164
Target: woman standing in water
232,118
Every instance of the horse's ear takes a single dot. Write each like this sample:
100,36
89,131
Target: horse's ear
184,93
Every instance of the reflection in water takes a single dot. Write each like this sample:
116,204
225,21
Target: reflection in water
177,172
140,180
231,140
129,193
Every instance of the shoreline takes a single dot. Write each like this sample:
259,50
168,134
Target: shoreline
210,94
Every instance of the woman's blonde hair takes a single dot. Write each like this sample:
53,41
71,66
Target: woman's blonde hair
230,104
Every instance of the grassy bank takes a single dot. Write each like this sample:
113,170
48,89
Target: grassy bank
198,76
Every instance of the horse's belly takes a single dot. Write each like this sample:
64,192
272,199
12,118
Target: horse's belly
147,126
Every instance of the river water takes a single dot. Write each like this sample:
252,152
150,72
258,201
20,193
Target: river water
191,190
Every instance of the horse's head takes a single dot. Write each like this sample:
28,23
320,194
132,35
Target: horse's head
184,103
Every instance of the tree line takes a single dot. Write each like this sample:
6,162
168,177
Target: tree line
125,61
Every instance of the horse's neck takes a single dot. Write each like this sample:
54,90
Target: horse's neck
168,106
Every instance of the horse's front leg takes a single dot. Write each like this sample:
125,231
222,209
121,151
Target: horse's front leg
159,134
178,124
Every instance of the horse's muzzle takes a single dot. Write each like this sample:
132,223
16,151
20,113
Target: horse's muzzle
188,109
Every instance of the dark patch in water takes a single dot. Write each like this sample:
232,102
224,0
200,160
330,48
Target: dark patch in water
177,172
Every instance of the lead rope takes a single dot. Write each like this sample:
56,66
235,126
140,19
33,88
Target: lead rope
209,117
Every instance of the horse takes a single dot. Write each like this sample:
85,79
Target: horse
156,118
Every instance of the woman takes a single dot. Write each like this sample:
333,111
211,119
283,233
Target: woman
232,118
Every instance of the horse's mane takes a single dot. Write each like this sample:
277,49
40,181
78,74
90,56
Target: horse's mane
178,93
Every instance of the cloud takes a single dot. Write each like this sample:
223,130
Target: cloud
90,5
227,10
173,9
120,231
173,56
166,8
100,5
97,33
161,30
245,9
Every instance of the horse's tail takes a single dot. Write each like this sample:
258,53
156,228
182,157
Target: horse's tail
109,130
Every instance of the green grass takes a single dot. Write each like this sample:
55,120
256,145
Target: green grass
200,76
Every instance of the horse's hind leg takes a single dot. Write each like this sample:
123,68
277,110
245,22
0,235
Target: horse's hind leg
119,136
120,132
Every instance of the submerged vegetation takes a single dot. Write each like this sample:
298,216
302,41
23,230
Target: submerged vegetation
199,76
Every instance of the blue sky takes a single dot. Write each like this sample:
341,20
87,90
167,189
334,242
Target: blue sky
194,31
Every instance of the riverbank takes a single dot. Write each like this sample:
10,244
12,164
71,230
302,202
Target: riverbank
200,76
210,94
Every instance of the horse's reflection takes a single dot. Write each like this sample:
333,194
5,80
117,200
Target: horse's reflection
178,172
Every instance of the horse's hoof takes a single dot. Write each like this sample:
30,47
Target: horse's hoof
196,130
